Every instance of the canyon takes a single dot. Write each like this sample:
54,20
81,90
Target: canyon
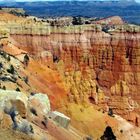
86,70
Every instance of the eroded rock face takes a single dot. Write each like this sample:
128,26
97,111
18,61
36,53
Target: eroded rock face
16,109
93,63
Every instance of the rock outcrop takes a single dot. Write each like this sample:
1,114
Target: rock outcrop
14,104
115,20
15,11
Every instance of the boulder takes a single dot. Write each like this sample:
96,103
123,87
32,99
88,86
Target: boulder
9,99
38,109
60,118
39,102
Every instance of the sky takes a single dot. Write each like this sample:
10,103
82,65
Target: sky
48,0
56,0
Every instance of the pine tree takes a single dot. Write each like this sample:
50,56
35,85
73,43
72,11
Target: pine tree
108,134
26,60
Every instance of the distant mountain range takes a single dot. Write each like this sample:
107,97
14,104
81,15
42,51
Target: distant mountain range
128,9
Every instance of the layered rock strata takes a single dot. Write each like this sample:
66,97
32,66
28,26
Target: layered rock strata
98,66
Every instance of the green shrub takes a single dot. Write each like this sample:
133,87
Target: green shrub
11,69
108,134
4,87
110,112
8,58
26,60
17,89
77,21
26,79
1,65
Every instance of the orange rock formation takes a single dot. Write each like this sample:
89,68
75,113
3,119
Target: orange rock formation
88,65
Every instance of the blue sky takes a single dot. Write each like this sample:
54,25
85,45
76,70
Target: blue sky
55,0
46,0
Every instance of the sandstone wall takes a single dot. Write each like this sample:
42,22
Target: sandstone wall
98,67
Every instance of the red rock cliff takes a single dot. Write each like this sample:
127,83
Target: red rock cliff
98,66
